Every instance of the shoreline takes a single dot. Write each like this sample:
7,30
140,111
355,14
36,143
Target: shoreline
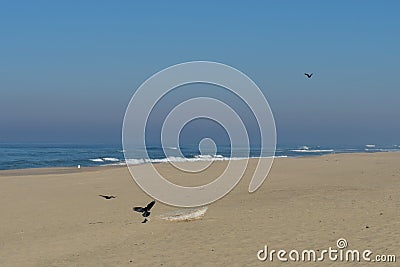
66,170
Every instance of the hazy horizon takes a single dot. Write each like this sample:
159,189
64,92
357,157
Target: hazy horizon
68,71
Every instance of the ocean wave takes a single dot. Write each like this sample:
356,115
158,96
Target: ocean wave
97,160
210,157
104,159
196,158
370,146
382,149
110,159
182,159
312,150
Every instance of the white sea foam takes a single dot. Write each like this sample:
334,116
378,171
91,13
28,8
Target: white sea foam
135,161
111,159
370,146
181,159
196,158
382,150
97,160
312,150
104,159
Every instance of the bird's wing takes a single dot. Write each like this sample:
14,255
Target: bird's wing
150,205
311,74
139,209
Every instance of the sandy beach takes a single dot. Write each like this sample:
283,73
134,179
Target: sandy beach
54,217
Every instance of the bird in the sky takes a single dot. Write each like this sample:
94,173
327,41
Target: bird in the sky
308,75
107,197
145,211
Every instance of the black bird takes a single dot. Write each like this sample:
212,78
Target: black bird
145,211
107,197
308,75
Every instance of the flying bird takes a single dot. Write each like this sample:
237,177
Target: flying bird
308,75
107,197
145,211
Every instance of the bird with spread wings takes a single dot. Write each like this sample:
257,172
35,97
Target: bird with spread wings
145,210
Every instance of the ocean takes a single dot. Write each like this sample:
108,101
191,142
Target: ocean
22,156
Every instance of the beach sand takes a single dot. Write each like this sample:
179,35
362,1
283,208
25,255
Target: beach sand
54,217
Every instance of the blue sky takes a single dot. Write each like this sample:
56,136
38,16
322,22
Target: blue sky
69,69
